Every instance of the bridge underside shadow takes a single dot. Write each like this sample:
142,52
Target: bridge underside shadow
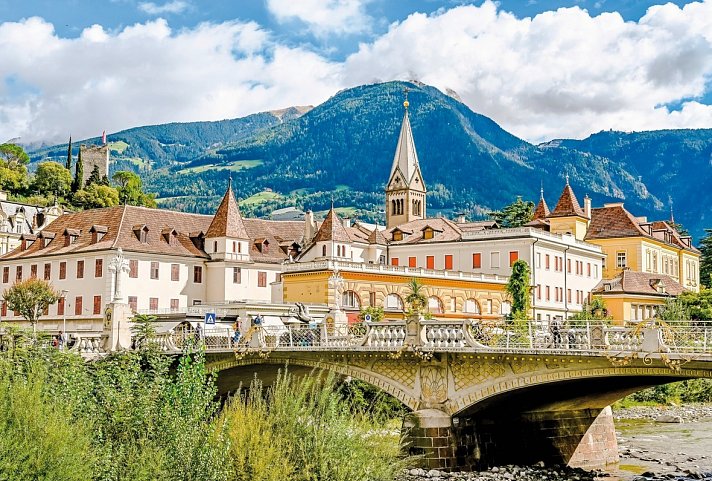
560,423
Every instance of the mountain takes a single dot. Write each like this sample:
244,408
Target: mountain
343,150
157,146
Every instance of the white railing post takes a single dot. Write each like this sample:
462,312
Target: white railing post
531,333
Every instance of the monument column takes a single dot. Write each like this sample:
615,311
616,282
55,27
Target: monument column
118,314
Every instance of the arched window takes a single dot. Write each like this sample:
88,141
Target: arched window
393,207
506,308
323,250
472,307
394,302
338,251
350,300
435,305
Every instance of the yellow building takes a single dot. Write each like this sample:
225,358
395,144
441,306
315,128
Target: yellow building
353,285
636,296
633,243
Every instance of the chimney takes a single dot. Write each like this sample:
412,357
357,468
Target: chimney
587,206
346,221
461,218
309,226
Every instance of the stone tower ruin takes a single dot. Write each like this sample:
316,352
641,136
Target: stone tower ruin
95,155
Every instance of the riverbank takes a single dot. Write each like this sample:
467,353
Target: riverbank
504,473
686,413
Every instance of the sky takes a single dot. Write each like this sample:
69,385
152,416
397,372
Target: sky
542,69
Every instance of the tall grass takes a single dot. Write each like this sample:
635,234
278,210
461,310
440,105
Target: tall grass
303,430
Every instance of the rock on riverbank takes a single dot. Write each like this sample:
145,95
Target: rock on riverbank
688,413
503,473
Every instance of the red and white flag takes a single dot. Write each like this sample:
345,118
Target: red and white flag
103,138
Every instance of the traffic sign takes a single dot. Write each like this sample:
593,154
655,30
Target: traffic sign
210,318
367,318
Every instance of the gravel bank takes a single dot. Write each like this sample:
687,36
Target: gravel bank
504,473
688,413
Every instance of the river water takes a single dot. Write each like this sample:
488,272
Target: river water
669,450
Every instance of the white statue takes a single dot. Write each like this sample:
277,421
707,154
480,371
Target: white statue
117,267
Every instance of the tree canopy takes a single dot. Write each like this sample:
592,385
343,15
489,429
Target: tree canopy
52,178
96,196
518,289
30,298
515,214
706,259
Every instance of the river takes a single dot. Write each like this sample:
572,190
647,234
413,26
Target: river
669,450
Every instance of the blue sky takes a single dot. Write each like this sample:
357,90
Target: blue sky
541,68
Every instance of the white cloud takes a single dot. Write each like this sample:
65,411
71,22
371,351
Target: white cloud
324,16
561,73
147,74
175,6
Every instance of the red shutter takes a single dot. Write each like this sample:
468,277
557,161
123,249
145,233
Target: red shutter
476,260
78,306
99,268
513,257
97,304
448,262
412,262
47,272
80,269
430,262
394,261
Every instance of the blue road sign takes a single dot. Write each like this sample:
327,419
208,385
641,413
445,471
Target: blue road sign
209,318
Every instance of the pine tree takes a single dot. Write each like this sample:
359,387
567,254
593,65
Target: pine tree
94,176
706,259
68,165
78,183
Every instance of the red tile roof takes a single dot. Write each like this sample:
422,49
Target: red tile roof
633,282
227,221
542,210
567,204
332,229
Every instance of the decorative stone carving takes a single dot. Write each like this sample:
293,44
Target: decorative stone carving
400,371
433,384
468,373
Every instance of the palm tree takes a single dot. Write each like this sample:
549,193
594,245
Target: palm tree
416,298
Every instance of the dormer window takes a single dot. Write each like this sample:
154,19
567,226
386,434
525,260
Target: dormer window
169,235
198,239
397,235
71,236
262,245
27,241
141,233
428,233
97,233
46,238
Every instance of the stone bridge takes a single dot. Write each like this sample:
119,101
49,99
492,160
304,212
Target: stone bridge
482,395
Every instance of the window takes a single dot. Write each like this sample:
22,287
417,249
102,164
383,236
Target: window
197,274
5,275
546,262
568,265
412,261
349,299
655,262
234,250
435,305
133,268
3,311
18,273
506,308
80,269
588,269
448,262
175,305
477,260
471,306
394,261
428,233
62,270
175,272
548,293
236,275
47,271
153,303
215,246
397,235
621,261
323,250
33,271
595,271
261,279
97,305
490,306
494,260
394,302
538,291
513,257
154,270
538,260
133,303
430,262
239,247
99,268
78,306
372,299
568,296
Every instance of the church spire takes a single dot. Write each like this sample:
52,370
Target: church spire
405,191
227,221
542,210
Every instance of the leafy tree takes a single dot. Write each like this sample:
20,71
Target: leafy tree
13,179
515,214
68,164
518,289
94,176
78,183
96,196
376,313
52,178
144,332
706,259
698,304
595,310
416,299
674,309
31,298
13,155
130,189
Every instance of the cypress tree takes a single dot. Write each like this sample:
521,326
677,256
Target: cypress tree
68,165
706,259
78,183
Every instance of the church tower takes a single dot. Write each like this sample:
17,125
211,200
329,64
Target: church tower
405,191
